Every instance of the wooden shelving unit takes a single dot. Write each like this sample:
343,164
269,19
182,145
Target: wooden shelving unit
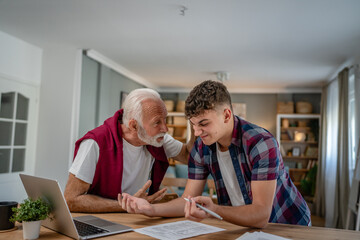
298,137
178,127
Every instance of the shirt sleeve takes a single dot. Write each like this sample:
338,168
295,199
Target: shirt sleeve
265,156
196,164
84,164
172,146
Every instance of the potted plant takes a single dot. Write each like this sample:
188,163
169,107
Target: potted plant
30,213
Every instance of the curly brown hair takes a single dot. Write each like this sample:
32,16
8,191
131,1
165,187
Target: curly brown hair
206,96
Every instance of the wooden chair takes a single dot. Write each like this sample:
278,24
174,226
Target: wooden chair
181,182
173,182
169,183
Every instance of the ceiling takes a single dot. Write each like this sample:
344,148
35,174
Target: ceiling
276,45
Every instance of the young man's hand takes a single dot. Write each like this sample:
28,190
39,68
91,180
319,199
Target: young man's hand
192,212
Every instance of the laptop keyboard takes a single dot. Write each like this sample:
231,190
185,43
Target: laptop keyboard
87,230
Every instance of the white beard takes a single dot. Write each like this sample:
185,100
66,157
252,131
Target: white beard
150,140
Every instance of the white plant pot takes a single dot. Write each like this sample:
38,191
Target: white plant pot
31,230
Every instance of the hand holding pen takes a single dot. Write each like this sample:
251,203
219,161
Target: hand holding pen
193,212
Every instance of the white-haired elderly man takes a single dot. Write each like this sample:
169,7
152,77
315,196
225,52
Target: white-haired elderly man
127,154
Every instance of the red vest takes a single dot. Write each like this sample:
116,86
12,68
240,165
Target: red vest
109,169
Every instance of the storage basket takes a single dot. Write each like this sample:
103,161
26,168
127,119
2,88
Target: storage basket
303,107
285,107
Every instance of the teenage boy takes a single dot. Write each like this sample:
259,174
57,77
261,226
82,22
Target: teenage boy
244,159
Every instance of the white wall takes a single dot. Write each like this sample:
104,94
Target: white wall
20,60
57,116
20,70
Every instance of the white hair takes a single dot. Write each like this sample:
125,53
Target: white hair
133,104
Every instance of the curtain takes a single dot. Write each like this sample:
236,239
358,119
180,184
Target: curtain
329,151
342,171
320,177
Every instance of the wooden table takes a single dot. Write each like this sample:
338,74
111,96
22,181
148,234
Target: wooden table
232,231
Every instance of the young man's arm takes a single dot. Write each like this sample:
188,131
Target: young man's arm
174,208
256,214
79,201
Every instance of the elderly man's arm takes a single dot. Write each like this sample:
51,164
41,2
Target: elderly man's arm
79,201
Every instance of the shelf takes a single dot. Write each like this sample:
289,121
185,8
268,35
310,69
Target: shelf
297,184
299,158
296,128
298,170
176,114
176,125
297,142
181,139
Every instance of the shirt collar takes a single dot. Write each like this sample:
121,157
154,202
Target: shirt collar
236,135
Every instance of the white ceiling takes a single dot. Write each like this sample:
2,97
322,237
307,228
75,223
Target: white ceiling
278,44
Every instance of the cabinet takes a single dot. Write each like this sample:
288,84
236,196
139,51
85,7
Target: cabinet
298,137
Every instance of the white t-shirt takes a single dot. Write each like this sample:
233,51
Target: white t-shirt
137,162
229,177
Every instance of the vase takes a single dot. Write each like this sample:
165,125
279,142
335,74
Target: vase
31,229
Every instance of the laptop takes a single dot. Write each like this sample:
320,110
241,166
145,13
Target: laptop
83,227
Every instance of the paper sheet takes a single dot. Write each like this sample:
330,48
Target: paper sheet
178,230
260,236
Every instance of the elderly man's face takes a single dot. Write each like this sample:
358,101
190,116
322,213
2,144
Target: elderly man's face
153,126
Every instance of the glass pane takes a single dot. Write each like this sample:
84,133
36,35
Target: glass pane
7,105
18,160
6,131
22,107
4,160
20,134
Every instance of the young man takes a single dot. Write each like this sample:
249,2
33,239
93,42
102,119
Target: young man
122,155
244,159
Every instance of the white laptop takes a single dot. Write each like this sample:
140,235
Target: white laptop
62,221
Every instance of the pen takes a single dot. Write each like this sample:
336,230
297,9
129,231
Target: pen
206,210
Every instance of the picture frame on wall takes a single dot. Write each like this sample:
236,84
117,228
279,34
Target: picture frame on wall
123,95
296,151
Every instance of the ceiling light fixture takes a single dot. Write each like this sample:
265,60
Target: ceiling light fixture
223,76
182,10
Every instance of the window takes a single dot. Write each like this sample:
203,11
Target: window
14,109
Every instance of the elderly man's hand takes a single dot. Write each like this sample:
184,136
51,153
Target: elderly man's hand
133,204
152,198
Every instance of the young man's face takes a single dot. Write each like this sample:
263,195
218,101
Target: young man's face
209,126
153,126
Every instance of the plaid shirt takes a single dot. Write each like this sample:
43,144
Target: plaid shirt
255,156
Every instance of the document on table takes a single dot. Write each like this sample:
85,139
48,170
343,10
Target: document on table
260,236
178,230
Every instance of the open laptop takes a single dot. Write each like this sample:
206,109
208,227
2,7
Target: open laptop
62,221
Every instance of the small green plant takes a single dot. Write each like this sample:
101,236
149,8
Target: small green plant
308,184
31,210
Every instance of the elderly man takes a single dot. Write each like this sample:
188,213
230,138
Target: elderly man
244,159
127,154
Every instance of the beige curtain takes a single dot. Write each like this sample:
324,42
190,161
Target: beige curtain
332,179
343,185
320,177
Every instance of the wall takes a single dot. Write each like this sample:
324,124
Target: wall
89,95
56,113
20,69
261,109
101,88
